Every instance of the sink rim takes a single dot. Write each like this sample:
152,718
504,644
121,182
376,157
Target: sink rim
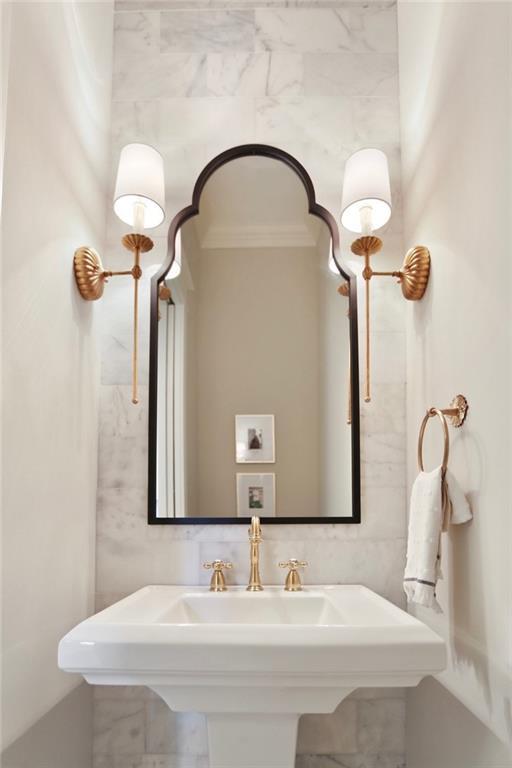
110,629
287,668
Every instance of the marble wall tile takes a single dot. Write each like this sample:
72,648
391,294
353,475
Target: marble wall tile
184,124
373,27
387,303
124,464
329,734
383,447
150,761
174,761
174,732
123,514
163,5
124,692
116,333
103,600
309,30
285,77
191,31
315,121
386,412
334,75
383,512
383,474
319,79
255,75
237,74
119,727
127,565
137,33
377,565
388,356
376,120
381,725
122,441
378,693
159,76
118,416
382,760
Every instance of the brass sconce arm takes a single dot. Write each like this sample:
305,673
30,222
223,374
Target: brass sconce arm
412,277
91,278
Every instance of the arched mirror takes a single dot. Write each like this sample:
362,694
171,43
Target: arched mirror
254,386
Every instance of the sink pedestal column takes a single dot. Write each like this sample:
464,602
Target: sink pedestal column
256,726
252,740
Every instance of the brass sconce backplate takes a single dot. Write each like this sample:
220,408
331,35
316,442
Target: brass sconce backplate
89,273
415,273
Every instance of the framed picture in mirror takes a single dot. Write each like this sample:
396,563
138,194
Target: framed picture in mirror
254,439
256,494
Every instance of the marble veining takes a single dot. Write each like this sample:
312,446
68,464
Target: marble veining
154,77
135,718
311,30
187,31
193,77
255,75
137,33
379,6
364,75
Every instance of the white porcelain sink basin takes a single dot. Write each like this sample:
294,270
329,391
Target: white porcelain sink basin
260,659
241,607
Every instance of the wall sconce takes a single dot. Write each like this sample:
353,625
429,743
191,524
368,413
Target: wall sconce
366,206
139,201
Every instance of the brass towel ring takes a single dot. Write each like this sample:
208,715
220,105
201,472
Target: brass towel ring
429,414
456,414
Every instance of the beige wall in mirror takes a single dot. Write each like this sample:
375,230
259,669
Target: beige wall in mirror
256,326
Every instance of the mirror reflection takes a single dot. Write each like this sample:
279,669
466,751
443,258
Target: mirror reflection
253,357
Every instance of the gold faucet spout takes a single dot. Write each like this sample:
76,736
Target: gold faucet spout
255,539
255,529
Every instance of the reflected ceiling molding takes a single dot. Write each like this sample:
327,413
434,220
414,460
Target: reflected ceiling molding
261,236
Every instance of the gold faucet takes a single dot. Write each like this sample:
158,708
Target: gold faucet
255,538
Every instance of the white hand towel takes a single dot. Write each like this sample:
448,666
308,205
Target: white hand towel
436,500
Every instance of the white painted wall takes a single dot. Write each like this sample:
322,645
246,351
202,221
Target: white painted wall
241,367
54,200
456,139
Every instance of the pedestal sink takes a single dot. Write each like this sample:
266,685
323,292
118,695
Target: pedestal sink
253,662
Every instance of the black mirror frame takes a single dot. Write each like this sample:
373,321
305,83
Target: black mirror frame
247,150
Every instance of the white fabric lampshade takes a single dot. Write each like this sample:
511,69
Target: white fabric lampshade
366,184
140,179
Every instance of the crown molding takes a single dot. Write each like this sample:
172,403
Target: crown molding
262,236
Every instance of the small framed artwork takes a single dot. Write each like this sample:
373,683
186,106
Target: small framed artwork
254,437
256,495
